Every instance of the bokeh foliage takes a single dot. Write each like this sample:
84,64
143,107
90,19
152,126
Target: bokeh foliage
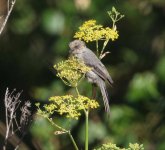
37,36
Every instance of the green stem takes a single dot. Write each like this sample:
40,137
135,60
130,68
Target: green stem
77,91
64,130
86,129
73,141
57,126
104,45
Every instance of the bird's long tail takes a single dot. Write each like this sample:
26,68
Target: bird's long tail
104,93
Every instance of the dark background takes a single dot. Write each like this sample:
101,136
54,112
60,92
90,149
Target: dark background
37,35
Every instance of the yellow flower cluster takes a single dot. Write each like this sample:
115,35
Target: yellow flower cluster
111,146
69,105
90,31
71,71
108,146
136,146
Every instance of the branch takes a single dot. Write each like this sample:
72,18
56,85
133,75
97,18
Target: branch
12,102
8,14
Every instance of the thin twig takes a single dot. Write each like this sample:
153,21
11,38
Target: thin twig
8,14
6,112
73,141
12,103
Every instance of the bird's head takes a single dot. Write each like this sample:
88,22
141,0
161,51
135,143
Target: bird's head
76,46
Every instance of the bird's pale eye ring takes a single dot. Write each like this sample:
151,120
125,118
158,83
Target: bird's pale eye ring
76,46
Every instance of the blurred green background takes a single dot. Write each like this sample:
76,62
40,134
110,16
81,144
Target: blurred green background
37,35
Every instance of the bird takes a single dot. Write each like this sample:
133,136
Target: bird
98,73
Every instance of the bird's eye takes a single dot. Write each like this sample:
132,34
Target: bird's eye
76,47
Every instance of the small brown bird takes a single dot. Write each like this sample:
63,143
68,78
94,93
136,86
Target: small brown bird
99,74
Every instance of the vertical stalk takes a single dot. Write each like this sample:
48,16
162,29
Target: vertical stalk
77,91
104,45
7,121
86,129
73,141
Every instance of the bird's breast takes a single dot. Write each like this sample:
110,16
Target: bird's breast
91,77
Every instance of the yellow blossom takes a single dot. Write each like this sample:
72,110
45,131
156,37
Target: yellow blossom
71,71
50,108
111,146
136,146
90,31
70,106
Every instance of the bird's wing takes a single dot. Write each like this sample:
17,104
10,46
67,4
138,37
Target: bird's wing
102,72
90,59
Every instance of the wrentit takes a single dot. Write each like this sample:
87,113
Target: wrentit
98,74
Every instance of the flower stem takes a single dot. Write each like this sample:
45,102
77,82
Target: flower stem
86,129
73,141
55,125
104,45
77,91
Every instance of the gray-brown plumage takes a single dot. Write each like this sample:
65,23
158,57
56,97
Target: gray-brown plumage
99,74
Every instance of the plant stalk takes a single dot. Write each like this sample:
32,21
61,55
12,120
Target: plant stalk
77,91
73,141
86,129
